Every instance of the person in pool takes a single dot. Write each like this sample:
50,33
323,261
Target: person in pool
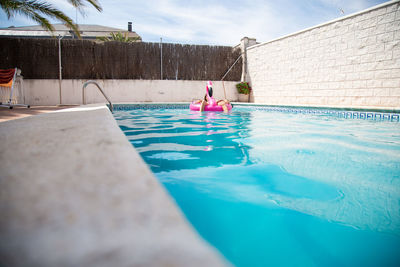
224,104
205,102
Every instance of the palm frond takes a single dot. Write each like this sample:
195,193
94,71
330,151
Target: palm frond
80,4
38,10
119,37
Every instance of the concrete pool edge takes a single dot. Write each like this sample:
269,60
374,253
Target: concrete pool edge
73,191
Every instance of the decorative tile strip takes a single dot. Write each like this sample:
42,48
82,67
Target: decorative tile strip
346,114
150,106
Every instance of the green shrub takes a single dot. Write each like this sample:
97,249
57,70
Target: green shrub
243,88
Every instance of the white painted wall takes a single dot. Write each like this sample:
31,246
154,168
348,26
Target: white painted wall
46,92
353,61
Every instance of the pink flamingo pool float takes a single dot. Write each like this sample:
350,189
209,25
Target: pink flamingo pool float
211,104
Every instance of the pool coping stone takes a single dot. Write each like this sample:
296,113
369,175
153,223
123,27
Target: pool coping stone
74,192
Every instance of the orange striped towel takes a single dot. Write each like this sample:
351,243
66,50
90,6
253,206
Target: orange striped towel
6,77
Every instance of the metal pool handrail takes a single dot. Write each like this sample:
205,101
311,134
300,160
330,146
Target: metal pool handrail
101,90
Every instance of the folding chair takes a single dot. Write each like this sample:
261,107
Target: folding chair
7,80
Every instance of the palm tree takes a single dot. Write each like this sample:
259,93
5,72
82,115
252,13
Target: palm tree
38,10
118,37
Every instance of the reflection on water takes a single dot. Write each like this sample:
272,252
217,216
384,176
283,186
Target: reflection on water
194,134
261,185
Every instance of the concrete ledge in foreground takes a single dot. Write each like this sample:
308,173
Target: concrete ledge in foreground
74,192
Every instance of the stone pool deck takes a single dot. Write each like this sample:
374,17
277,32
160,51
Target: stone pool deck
74,192
7,114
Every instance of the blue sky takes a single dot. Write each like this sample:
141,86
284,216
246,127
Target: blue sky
211,22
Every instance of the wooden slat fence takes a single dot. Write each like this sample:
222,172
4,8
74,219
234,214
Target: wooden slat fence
82,59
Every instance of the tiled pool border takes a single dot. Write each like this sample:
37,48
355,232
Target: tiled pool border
347,113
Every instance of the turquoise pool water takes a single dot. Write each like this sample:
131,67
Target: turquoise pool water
278,189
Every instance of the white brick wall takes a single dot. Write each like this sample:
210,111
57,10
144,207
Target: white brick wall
350,62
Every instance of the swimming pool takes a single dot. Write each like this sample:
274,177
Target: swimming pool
283,187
